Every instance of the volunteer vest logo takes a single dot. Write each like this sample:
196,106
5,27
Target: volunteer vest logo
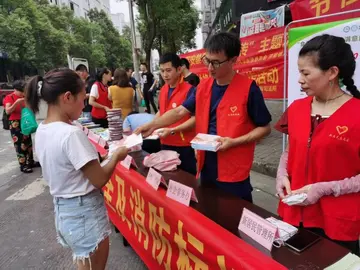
341,130
233,111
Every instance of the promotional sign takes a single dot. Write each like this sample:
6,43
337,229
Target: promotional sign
258,228
261,21
262,59
348,29
180,193
302,9
154,178
196,64
127,162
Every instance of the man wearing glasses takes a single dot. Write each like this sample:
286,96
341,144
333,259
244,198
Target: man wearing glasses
228,105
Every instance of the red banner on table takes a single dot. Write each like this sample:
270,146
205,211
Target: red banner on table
169,235
261,58
302,9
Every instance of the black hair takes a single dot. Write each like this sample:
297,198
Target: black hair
127,69
330,51
133,112
19,85
172,58
101,72
121,79
224,42
82,68
144,64
185,62
52,85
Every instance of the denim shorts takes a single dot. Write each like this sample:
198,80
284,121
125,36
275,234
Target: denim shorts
82,223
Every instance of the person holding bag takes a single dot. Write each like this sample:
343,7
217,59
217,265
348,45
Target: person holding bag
14,103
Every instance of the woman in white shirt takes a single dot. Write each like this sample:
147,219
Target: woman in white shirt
70,166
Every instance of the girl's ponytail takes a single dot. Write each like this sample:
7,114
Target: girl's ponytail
33,93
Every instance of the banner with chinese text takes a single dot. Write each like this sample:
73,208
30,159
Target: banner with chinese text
302,9
194,58
261,58
348,29
261,21
169,235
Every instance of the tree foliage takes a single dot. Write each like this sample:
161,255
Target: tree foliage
117,49
40,34
167,25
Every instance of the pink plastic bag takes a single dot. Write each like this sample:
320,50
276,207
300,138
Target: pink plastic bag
164,160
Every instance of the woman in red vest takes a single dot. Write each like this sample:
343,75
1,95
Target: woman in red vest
99,97
323,156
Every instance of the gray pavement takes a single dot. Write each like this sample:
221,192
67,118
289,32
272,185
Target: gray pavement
268,150
27,233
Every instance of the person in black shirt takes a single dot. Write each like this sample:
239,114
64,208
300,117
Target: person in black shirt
134,83
189,77
83,72
148,84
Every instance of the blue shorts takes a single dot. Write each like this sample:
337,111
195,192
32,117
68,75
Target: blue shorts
82,223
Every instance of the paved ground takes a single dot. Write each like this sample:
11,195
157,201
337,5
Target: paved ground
268,151
27,235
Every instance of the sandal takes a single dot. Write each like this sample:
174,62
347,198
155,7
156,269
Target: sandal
26,169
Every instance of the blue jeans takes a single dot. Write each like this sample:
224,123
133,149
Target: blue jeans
82,223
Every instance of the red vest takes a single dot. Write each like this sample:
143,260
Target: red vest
178,96
332,154
232,120
103,100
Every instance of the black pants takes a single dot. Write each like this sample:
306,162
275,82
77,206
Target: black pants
187,157
241,189
353,246
149,98
102,122
151,146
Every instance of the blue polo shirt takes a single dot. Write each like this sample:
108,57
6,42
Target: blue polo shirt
133,82
191,91
258,113
133,121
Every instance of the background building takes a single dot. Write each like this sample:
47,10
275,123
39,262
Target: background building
82,7
118,20
209,10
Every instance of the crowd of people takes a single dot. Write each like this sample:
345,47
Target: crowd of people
121,90
322,158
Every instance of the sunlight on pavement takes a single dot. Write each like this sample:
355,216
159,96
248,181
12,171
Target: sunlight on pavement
30,191
9,167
